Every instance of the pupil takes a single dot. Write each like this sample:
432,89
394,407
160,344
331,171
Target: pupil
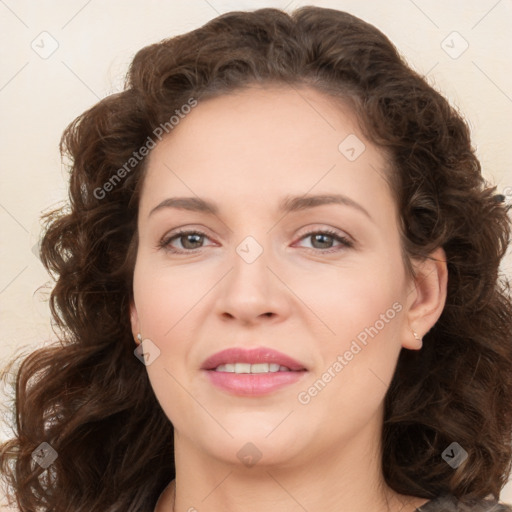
319,236
188,237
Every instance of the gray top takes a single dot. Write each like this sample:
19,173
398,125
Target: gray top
449,503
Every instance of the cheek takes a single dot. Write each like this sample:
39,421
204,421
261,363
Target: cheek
163,296
362,311
348,300
172,301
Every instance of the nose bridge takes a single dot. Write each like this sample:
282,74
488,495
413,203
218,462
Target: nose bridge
250,272
252,235
251,289
250,249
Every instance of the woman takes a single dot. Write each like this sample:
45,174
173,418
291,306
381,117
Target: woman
278,287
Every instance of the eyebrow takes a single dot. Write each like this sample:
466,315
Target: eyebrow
287,205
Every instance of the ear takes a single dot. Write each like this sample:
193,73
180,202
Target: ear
426,298
134,320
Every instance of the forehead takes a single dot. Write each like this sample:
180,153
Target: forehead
262,141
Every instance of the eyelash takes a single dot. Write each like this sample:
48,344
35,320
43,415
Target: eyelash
166,241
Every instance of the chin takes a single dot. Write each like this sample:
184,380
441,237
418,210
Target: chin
260,442
250,451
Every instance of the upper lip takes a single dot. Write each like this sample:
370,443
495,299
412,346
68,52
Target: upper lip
252,356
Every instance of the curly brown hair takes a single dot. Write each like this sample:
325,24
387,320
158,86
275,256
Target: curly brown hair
90,399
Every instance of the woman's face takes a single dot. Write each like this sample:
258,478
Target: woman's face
298,252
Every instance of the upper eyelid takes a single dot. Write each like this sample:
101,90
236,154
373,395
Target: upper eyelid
204,231
185,231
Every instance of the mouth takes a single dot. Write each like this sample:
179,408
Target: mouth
252,368
252,372
255,360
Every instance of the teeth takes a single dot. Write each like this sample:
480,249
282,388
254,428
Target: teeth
259,368
242,368
251,368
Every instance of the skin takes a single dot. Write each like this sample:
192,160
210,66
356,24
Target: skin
245,151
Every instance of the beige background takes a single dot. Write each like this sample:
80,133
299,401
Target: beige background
41,93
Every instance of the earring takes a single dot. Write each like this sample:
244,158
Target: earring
139,338
417,338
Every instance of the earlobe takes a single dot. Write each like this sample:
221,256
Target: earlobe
427,298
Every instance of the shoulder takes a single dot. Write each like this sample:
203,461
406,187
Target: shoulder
449,503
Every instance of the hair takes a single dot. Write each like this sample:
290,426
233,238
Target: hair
90,399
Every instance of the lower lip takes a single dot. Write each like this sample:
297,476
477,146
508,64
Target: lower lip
253,384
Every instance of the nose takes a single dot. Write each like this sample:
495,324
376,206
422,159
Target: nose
252,291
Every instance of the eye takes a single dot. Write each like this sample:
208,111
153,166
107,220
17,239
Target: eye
325,238
189,241
193,240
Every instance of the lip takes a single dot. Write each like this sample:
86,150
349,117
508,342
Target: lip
251,356
252,384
